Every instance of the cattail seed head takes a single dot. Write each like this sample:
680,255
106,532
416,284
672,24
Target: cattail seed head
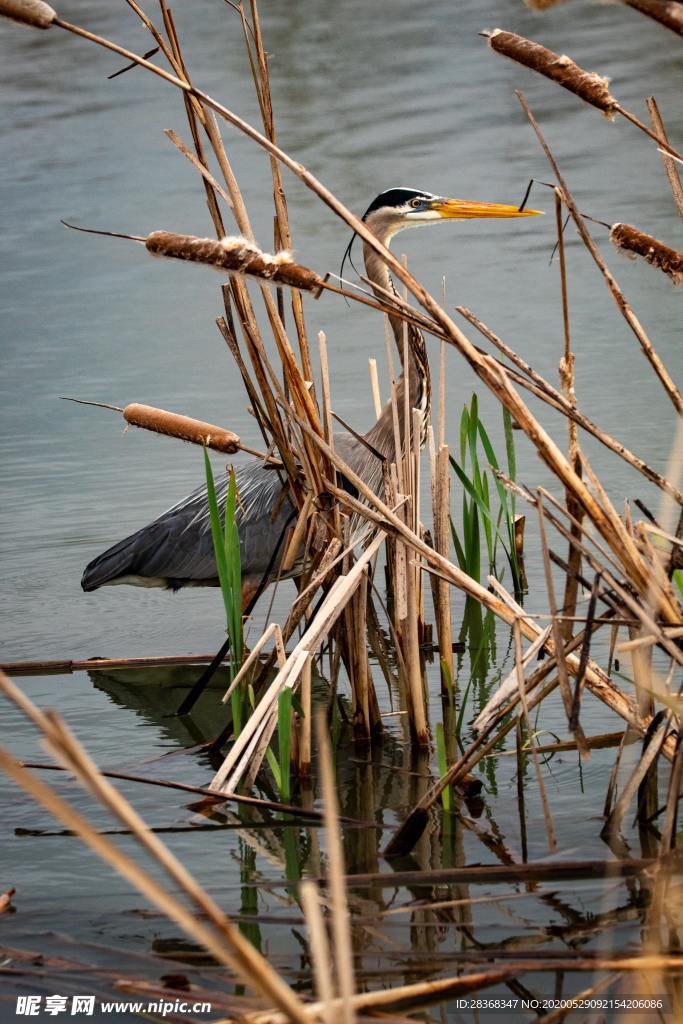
634,243
561,69
236,255
28,12
667,12
542,5
183,427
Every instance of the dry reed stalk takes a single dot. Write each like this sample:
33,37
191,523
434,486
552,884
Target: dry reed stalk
441,482
183,427
219,936
409,998
196,162
319,950
355,620
547,393
587,85
618,296
182,787
298,533
634,242
580,999
669,165
226,326
274,631
509,686
327,415
328,613
667,12
559,637
341,930
573,454
596,679
374,384
671,815
549,827
262,83
647,760
66,666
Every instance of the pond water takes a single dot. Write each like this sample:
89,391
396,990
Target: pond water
367,96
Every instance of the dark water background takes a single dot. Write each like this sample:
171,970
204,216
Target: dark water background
367,96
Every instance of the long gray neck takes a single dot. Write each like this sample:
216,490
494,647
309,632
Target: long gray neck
417,369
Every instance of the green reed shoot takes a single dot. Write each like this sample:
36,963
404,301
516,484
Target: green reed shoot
447,795
281,766
479,517
226,547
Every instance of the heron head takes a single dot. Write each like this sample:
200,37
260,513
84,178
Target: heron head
400,208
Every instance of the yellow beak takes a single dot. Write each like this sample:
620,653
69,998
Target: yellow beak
463,209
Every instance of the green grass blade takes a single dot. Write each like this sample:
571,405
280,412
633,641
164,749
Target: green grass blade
447,795
284,738
217,535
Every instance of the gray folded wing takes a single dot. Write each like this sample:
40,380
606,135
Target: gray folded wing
177,550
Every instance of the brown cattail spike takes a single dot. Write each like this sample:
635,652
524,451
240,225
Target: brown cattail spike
28,12
636,243
667,12
542,5
236,255
183,427
561,69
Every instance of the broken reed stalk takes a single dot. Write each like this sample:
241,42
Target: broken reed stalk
618,296
634,242
331,608
669,165
667,12
587,85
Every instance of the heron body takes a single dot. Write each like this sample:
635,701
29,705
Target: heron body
176,550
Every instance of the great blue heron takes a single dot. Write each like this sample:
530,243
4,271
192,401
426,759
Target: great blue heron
176,550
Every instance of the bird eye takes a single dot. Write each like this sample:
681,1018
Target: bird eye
416,203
